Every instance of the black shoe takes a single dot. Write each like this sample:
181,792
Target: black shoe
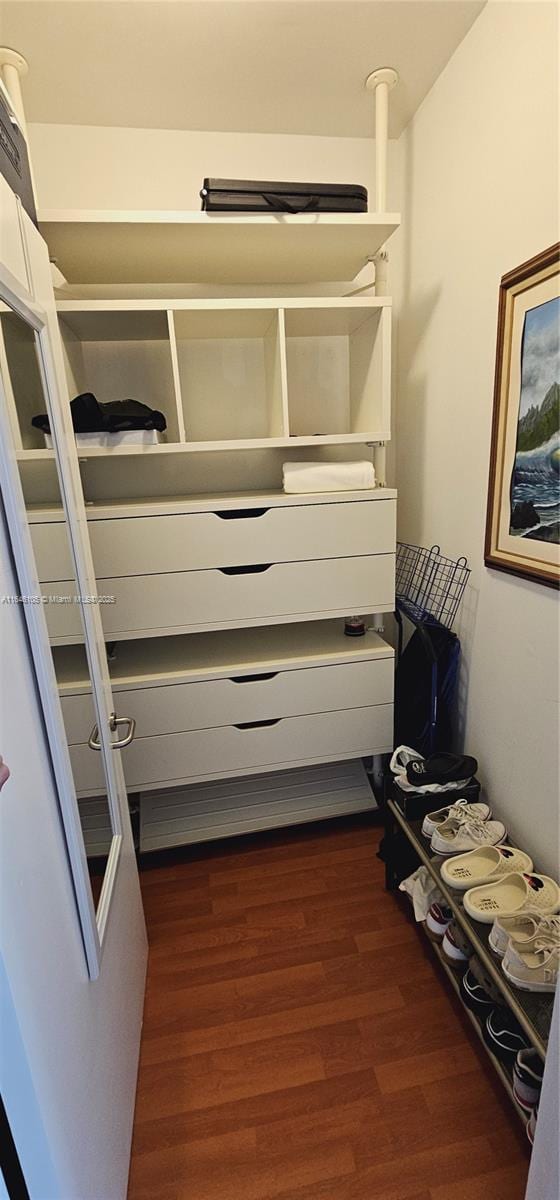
441,768
504,1036
475,997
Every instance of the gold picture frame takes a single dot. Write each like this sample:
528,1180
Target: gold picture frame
523,512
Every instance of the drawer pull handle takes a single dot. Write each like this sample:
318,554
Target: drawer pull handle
254,569
240,514
253,678
258,724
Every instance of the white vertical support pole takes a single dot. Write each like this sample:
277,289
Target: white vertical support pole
380,83
380,464
12,67
381,261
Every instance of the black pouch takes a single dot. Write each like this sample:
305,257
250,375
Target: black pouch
245,195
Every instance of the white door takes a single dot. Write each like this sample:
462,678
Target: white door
72,932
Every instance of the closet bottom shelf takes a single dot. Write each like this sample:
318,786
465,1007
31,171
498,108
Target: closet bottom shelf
230,807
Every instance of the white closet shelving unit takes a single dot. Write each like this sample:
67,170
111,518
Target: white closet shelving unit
229,596
234,374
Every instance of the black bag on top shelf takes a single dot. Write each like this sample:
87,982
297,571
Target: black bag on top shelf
260,196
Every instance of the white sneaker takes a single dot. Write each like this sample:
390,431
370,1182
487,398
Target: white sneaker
533,967
438,919
527,1078
455,947
521,928
479,811
459,834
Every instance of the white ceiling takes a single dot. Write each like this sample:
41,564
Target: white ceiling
257,66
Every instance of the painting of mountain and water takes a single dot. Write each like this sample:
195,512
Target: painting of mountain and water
535,481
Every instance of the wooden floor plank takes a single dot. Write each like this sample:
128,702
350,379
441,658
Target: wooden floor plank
248,1179
298,1044
506,1183
293,1103
255,959
255,1029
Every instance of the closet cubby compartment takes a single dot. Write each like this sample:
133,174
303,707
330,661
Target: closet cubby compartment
231,370
121,355
338,372
236,374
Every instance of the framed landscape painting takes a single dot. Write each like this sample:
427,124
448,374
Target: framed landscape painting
523,515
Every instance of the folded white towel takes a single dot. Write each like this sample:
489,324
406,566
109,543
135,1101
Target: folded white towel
328,477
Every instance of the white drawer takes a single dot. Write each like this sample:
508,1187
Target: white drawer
197,600
177,708
237,537
215,753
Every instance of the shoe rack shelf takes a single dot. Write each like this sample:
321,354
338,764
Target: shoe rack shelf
532,1010
502,1072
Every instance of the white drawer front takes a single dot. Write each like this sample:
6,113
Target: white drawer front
215,753
194,600
177,708
197,541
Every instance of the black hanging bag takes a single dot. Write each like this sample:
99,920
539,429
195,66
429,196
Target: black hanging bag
425,686
245,195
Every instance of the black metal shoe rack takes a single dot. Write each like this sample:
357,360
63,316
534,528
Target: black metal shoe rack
404,848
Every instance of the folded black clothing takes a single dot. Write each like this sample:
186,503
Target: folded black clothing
117,416
441,768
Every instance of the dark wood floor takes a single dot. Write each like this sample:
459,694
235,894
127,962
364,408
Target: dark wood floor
300,1043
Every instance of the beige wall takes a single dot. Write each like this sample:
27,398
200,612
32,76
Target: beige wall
79,166
480,195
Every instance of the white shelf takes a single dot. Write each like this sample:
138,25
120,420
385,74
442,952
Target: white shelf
104,306
207,811
217,447
207,502
107,247
201,656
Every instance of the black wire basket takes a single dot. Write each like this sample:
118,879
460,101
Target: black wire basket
429,587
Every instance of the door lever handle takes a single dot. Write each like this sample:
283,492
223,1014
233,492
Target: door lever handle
114,722
126,740
93,739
